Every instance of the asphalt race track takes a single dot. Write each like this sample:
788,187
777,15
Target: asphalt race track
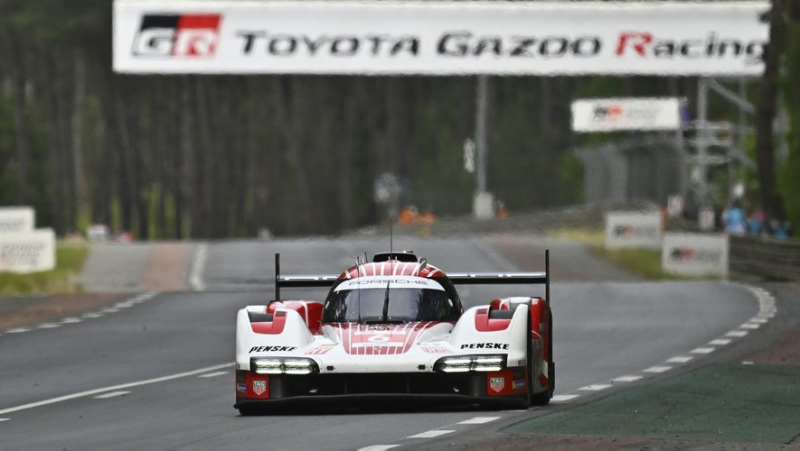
104,382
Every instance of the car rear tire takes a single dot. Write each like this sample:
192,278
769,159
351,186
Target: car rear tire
543,398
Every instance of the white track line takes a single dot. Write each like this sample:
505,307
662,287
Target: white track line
479,420
657,369
18,330
48,326
70,320
4,419
704,350
113,394
626,379
737,333
377,447
595,387
198,265
218,373
431,434
113,388
680,359
720,342
563,398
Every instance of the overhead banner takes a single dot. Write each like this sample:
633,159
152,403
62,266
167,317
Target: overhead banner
28,252
438,38
626,114
695,254
633,230
16,219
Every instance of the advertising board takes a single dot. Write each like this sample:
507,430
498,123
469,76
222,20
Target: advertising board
621,114
28,252
439,38
626,230
695,254
16,219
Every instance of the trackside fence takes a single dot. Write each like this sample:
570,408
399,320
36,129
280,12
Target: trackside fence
765,257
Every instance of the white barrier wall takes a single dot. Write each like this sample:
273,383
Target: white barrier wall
16,220
695,254
28,252
633,230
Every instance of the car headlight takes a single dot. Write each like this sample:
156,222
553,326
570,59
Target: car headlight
465,363
283,365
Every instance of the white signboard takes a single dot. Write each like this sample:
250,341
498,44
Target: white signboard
16,219
695,254
633,230
439,38
607,115
28,252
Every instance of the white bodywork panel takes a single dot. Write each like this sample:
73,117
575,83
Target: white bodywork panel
404,348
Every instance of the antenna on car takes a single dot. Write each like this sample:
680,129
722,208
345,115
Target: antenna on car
358,288
277,275
391,234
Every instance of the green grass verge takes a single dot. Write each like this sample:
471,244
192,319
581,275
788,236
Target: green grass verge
70,258
752,403
644,262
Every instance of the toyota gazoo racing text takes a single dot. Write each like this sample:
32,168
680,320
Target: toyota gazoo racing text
395,327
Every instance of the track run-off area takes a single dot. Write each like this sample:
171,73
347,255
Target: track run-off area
155,371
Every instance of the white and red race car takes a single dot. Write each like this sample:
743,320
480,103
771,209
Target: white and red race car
396,327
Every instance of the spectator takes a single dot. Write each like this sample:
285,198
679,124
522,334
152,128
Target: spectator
755,224
735,220
780,230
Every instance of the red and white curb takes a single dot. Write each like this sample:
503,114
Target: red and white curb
121,305
766,311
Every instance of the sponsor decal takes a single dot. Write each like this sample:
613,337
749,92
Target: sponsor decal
241,387
518,383
319,350
485,346
27,254
261,41
645,45
272,349
497,384
259,387
686,254
12,225
435,349
635,231
177,35
363,339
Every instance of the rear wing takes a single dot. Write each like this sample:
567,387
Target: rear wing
507,278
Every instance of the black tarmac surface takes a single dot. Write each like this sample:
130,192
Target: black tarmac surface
50,379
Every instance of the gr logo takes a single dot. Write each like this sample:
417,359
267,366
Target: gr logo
180,35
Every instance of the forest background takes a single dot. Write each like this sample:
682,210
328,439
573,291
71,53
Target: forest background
173,157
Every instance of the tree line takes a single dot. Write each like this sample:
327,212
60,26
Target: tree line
167,156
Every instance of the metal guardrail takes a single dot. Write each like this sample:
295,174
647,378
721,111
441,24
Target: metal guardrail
765,257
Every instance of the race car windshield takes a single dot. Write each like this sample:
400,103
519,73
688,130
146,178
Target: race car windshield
427,303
